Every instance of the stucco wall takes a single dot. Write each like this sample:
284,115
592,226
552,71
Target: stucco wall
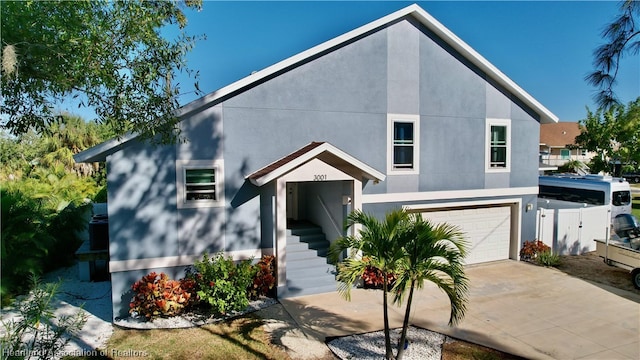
342,97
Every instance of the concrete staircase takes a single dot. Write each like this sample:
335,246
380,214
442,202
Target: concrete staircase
308,270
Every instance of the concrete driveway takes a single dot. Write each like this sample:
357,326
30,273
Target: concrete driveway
526,310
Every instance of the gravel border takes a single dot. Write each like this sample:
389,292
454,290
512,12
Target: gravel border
190,319
423,345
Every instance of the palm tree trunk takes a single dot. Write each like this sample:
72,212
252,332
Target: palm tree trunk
387,337
405,323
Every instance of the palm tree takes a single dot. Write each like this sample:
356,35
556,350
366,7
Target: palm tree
433,253
377,245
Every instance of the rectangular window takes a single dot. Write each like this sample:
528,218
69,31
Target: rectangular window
565,154
199,183
499,145
402,144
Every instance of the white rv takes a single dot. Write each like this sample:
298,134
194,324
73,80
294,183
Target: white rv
588,190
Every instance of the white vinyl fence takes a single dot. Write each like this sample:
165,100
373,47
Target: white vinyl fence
569,228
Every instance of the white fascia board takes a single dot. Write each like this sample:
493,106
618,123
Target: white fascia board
372,173
101,151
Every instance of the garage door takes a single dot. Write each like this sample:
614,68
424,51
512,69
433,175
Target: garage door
488,230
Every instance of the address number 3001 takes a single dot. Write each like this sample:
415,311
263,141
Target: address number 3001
322,177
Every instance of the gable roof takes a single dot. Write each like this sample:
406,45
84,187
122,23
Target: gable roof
559,134
320,150
414,11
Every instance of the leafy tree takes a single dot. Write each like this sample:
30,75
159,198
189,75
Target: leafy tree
432,253
109,54
613,134
623,38
377,245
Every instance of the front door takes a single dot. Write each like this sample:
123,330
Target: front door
292,201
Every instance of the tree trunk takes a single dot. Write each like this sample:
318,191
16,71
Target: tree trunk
387,337
405,323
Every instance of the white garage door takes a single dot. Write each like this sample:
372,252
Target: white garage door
488,230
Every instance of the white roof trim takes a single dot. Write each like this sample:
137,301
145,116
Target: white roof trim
101,151
368,171
421,15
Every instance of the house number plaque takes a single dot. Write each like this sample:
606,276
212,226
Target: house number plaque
320,177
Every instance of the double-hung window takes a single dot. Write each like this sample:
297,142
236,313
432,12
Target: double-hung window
402,150
498,145
199,183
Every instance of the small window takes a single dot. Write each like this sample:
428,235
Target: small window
498,140
199,183
621,198
402,146
565,154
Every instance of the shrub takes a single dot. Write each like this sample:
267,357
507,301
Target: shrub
548,258
221,283
531,249
37,330
372,278
264,280
157,295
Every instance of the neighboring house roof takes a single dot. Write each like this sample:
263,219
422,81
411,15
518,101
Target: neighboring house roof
559,135
320,150
272,71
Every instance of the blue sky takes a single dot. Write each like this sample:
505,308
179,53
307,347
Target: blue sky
544,46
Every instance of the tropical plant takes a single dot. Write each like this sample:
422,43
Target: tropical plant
157,295
433,253
264,280
532,249
571,166
377,245
37,332
221,283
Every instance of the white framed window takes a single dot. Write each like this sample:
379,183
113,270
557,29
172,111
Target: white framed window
199,183
498,142
403,145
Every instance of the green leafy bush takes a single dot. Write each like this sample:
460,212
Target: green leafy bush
264,280
548,258
221,283
37,235
157,295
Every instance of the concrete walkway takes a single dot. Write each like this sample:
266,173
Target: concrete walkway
526,310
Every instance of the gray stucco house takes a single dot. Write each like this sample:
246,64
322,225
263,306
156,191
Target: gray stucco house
397,113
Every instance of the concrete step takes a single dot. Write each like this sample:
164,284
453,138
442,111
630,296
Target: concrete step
295,291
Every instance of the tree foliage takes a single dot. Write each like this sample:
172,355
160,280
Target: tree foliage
44,198
623,38
415,251
111,55
613,134
433,253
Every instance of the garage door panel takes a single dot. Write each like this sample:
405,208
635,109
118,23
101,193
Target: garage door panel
488,230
